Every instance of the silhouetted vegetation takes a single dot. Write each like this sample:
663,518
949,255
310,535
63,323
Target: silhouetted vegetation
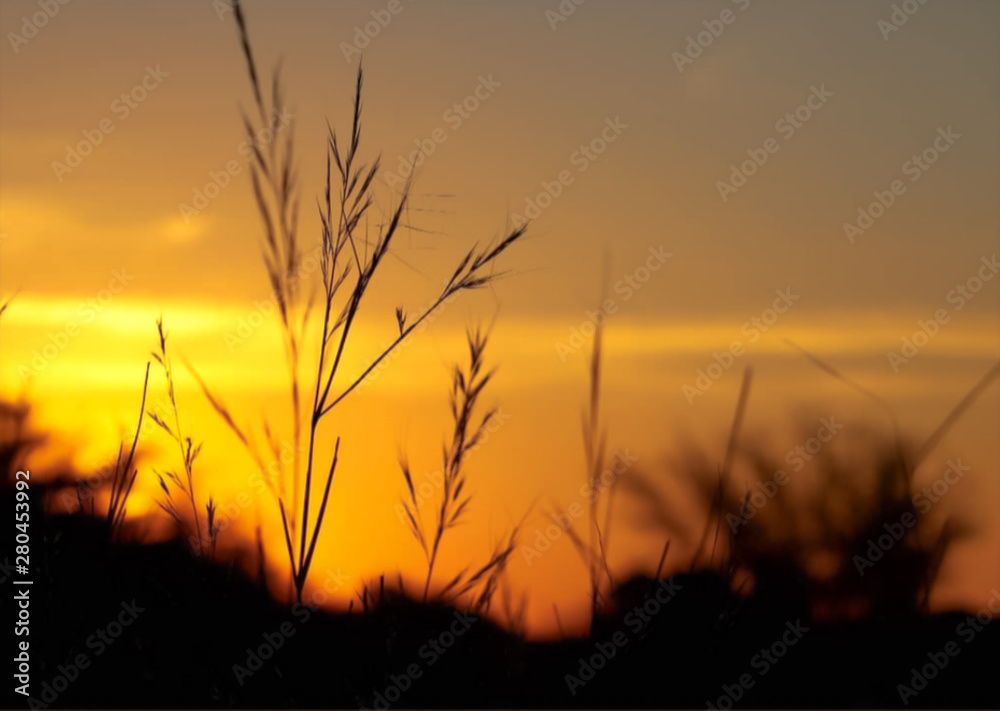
123,622
204,627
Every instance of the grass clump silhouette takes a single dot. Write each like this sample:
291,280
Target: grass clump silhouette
800,550
349,262
189,453
466,388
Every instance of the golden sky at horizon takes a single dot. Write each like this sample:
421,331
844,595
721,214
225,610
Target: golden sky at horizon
97,253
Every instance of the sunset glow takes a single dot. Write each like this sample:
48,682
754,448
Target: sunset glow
119,206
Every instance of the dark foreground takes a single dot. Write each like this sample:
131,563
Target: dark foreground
125,625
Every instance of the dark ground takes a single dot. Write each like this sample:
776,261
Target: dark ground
198,620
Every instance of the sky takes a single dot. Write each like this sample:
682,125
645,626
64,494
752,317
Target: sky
812,171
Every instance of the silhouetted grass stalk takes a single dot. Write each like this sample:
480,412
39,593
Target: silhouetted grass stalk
467,386
593,549
343,257
716,511
124,474
189,452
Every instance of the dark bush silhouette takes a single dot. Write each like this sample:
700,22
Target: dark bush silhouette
190,645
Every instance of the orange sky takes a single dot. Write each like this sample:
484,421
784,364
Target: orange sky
98,252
